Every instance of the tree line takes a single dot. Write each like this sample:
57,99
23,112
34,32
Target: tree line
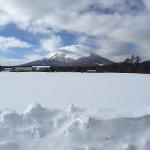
130,65
133,59
1,68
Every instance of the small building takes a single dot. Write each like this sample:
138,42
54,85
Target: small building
22,69
41,68
91,71
7,70
101,64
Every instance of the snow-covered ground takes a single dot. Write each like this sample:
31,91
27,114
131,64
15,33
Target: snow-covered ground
39,128
74,128
57,90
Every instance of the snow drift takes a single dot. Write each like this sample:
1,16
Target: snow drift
73,129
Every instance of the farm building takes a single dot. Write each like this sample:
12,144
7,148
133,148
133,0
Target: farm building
41,68
7,69
21,69
91,71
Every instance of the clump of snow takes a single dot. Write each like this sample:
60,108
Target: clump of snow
8,146
10,117
128,147
86,122
34,111
73,129
71,108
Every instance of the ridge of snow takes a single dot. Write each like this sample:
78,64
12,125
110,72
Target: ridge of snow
83,129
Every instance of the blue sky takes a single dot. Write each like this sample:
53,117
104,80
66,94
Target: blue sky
114,29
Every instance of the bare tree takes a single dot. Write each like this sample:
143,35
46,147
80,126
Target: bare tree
138,59
132,59
128,60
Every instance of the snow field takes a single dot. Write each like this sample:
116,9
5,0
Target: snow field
76,128
57,90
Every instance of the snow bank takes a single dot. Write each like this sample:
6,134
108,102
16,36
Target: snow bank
74,129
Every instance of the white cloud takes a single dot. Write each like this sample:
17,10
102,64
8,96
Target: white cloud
40,50
4,18
116,50
126,22
7,43
31,57
51,43
27,58
10,61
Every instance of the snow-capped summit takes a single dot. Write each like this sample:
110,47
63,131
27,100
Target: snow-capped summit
73,52
74,55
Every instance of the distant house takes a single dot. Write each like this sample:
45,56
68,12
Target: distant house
7,69
101,64
91,71
41,68
21,69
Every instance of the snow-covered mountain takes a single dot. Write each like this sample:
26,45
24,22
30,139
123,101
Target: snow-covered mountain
73,52
74,55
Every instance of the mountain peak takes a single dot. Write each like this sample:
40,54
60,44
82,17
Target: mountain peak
74,55
73,52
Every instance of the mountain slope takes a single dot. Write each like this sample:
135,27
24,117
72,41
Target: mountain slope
75,55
